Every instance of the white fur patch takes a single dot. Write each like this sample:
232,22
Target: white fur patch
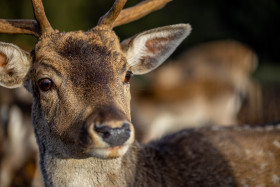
275,179
276,143
263,166
105,152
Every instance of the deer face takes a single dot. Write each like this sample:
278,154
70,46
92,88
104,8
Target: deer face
80,84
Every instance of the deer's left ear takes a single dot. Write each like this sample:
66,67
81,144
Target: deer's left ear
147,50
14,65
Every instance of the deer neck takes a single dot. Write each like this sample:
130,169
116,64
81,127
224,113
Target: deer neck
90,171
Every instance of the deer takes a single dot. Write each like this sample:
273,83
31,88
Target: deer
19,148
231,60
203,81
79,81
195,103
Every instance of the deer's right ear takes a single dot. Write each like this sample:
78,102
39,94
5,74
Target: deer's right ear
14,65
147,50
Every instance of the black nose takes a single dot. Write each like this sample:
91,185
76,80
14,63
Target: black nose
113,136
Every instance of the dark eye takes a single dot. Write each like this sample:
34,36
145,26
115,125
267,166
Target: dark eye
45,84
127,77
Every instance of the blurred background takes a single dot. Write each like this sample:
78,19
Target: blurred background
226,72
254,22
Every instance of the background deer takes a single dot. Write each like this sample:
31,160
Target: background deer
195,89
81,114
18,146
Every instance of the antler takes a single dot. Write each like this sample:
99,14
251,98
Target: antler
138,11
27,26
40,16
110,17
115,17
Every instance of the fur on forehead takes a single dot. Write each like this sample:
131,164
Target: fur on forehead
102,36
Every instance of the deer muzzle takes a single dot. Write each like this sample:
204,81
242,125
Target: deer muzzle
107,133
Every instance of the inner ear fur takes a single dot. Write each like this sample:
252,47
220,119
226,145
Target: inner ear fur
14,65
147,50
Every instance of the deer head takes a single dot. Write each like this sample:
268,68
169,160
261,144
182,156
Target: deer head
80,80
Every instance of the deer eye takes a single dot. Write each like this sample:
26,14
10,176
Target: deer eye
128,76
45,84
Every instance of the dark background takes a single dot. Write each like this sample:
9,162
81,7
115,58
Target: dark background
253,22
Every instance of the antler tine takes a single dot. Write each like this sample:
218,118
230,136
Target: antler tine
138,11
112,14
14,26
27,26
40,16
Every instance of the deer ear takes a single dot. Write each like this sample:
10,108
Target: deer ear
14,65
147,50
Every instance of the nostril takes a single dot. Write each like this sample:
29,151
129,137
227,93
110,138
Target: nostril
126,126
113,136
103,131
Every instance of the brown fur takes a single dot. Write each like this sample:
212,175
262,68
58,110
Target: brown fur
93,80
214,156
87,71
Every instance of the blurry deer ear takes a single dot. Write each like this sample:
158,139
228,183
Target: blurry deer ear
147,50
14,65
